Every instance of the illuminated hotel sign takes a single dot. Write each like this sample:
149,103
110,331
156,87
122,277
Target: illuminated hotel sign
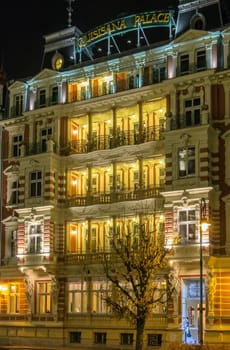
125,24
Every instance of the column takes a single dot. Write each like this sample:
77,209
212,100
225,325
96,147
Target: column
140,111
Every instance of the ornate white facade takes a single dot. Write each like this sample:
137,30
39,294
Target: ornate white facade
99,146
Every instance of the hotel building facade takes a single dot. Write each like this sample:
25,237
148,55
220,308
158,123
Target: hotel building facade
106,138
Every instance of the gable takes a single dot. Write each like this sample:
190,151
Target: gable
191,34
44,74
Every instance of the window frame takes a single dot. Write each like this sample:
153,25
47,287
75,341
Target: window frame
14,192
100,290
54,94
186,163
13,299
126,338
17,141
35,238
201,59
184,63
192,110
35,184
43,297
13,243
77,296
154,339
19,102
42,97
75,337
46,133
189,222
100,338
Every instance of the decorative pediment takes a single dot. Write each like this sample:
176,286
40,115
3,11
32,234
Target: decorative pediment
44,74
190,34
10,220
12,169
17,85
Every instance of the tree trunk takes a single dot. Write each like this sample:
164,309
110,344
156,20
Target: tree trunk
140,333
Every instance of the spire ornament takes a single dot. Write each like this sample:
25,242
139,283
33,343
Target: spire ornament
69,10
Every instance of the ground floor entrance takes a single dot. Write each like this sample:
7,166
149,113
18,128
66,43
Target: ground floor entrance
191,310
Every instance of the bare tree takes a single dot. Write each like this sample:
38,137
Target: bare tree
138,272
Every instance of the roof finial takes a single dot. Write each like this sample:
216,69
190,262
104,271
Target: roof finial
70,10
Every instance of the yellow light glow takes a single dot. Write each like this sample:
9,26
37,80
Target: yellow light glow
85,83
204,226
108,78
3,288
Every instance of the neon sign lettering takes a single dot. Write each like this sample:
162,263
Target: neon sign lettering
151,19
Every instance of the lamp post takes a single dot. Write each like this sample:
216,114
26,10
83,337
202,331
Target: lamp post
203,226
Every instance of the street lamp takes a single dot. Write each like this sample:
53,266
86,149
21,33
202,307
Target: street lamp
203,227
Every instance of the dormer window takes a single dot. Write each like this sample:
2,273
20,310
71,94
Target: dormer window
198,22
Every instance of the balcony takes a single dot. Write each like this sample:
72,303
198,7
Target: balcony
106,142
113,197
79,258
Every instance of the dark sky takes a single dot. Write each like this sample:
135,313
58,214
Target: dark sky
24,22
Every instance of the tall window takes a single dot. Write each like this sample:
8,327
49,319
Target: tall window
35,238
13,298
45,134
17,141
83,92
54,95
186,156
192,111
184,64
99,292
18,105
35,184
187,225
94,235
43,297
14,192
77,297
13,244
159,73
42,98
201,59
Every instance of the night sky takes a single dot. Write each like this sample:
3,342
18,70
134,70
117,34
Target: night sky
24,22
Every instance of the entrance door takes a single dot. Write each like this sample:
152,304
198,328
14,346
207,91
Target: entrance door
191,310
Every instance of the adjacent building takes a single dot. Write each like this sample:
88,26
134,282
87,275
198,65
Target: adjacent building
118,130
